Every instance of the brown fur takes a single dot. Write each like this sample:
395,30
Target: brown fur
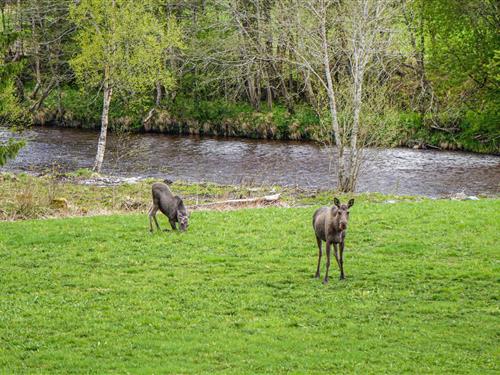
330,225
171,206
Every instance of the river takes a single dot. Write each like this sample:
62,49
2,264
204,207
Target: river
398,171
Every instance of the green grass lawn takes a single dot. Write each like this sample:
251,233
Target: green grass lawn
235,294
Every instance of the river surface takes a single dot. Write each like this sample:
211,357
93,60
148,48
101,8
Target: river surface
233,161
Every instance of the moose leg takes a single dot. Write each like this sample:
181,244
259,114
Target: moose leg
328,248
320,253
335,253
150,220
152,215
172,224
341,261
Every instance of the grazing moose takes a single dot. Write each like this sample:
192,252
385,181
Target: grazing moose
171,206
330,225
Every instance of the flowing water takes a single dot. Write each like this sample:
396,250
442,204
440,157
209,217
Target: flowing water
232,161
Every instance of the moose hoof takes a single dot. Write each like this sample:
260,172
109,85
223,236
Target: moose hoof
342,277
316,276
325,280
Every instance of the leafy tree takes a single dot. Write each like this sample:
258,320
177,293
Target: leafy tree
11,112
10,108
456,45
122,51
47,33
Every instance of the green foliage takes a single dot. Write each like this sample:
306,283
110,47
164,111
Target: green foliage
235,293
81,172
493,68
463,40
10,149
481,130
472,130
80,106
11,111
122,42
462,56
275,123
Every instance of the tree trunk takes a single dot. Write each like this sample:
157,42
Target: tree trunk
45,93
355,155
19,89
101,145
421,69
415,25
269,91
18,47
36,49
60,109
310,95
341,173
159,94
253,95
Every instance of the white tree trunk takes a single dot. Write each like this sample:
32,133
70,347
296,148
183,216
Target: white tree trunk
355,155
332,104
364,20
101,145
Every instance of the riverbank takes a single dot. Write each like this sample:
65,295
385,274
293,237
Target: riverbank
185,116
82,193
235,293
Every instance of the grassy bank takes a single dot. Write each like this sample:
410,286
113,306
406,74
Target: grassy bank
235,293
24,196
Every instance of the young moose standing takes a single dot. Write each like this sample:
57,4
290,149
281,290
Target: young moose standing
330,225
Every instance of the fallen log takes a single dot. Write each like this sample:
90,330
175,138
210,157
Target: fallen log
266,200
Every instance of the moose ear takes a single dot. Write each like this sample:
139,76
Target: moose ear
336,202
350,203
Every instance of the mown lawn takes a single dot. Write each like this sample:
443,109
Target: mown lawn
235,293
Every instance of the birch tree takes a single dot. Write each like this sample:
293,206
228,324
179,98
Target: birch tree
339,43
122,52
367,26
